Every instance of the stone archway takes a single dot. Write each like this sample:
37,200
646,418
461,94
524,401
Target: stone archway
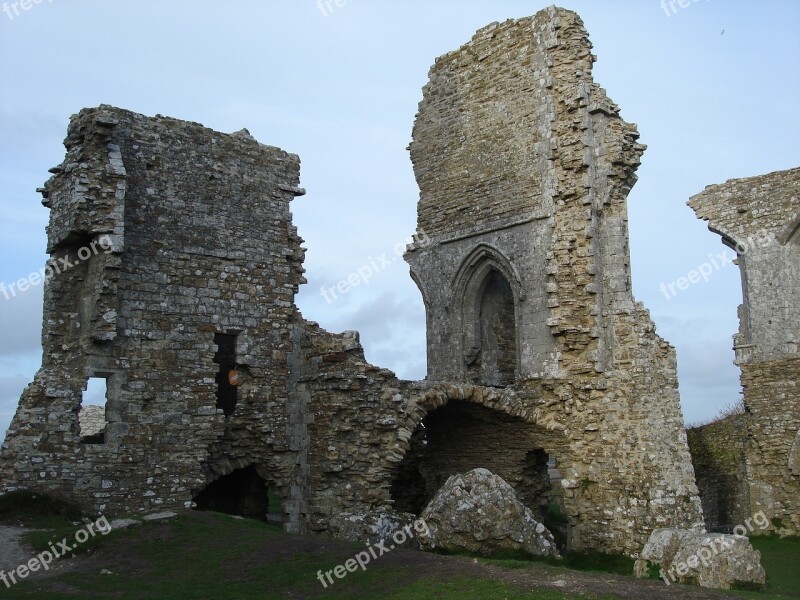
459,428
488,291
245,492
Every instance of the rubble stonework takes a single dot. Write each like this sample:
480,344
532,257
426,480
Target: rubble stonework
201,244
718,456
759,217
537,351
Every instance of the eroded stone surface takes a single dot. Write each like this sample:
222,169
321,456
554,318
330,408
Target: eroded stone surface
117,524
524,165
376,527
712,560
92,421
479,512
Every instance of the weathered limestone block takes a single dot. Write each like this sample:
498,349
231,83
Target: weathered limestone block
92,420
479,512
374,527
712,560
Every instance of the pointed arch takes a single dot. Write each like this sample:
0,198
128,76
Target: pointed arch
477,262
487,292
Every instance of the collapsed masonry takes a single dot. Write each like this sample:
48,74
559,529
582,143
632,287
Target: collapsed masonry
759,218
537,352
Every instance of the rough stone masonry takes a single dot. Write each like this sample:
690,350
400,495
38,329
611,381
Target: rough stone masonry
759,217
219,392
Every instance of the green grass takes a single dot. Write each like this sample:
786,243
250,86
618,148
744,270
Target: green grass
213,556
781,560
576,561
56,531
274,501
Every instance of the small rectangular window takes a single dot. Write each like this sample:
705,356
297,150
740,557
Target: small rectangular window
92,416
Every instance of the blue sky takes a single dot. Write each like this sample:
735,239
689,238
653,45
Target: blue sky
712,86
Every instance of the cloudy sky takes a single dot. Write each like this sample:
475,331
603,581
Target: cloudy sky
712,86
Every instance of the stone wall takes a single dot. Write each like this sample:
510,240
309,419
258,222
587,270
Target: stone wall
759,217
718,455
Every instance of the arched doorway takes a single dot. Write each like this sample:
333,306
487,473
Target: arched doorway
243,492
461,436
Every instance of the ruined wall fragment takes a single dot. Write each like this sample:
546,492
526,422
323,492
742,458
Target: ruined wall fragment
524,166
759,217
197,241
718,456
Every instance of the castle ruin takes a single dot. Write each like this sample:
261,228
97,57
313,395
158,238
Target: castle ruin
759,218
219,390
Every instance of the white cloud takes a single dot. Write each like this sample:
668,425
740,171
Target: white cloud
342,92
21,322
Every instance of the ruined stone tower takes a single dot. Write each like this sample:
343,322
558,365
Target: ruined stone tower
538,354
199,259
759,218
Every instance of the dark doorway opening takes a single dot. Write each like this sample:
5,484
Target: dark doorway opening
243,492
408,485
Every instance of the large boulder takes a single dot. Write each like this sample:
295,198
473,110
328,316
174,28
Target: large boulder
479,512
712,560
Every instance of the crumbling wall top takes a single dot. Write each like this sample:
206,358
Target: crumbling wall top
487,140
740,208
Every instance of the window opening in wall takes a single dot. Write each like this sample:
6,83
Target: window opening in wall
92,415
227,376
